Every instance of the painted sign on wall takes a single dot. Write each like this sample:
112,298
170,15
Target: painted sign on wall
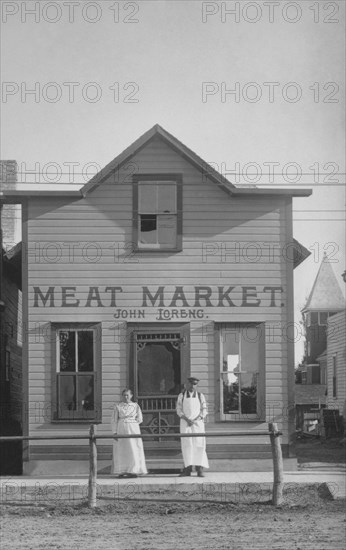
161,296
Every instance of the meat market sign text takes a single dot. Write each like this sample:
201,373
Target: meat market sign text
161,297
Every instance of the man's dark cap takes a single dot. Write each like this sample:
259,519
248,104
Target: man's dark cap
193,380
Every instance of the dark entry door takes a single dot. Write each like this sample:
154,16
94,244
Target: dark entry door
160,365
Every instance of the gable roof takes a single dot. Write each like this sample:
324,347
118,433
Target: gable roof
189,155
326,294
15,193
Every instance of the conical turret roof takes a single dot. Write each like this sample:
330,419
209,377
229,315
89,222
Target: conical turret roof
326,294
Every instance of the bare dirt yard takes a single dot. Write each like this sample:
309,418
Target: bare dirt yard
309,520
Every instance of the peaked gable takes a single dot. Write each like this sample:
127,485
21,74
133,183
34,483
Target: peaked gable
171,141
190,156
326,293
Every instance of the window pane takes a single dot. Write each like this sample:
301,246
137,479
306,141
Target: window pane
248,384
231,394
250,366
67,347
323,318
67,392
147,198
230,368
167,230
314,318
85,350
167,198
158,369
148,229
85,393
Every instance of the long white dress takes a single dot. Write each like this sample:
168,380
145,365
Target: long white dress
128,454
193,448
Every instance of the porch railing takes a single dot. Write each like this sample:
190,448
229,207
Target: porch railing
156,412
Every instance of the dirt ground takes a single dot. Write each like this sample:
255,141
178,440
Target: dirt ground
309,520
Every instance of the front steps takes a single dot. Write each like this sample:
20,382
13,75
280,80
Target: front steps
222,458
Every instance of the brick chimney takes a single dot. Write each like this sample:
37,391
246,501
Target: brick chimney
11,213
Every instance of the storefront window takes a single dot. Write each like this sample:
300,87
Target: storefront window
75,376
242,372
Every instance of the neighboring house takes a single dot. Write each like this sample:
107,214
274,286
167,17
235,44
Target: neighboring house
325,300
157,269
336,361
11,397
324,361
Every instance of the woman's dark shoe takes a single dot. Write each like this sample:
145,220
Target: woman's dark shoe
186,472
200,471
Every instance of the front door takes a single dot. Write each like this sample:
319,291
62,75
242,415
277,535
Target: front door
159,368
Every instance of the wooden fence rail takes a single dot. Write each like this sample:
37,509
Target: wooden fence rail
92,436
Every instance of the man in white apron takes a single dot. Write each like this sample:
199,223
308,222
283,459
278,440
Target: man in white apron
192,410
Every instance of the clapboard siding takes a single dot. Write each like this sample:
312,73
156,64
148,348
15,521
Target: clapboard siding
210,218
336,346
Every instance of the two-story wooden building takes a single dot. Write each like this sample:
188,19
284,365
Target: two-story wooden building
156,269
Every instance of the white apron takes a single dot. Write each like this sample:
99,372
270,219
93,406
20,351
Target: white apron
193,448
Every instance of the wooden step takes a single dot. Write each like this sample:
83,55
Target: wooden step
104,452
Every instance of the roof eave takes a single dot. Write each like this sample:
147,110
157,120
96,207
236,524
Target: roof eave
205,168
14,196
269,191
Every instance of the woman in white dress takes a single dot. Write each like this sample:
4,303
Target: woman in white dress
128,454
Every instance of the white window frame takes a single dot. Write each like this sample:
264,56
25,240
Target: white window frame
160,216
77,416
238,415
159,179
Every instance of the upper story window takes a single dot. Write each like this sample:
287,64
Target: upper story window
157,205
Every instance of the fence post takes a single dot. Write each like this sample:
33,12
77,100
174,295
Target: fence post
277,464
92,467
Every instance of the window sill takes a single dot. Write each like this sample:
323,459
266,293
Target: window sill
76,421
241,421
157,250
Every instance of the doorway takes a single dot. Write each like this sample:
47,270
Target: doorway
159,365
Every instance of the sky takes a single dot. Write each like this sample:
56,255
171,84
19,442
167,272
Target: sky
251,87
